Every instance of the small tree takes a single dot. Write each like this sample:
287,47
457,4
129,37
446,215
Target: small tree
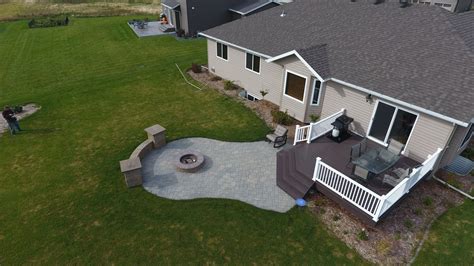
263,93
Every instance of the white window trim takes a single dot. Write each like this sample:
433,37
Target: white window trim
305,85
319,94
253,56
385,142
222,58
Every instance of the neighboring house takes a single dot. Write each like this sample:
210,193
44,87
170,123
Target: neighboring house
193,16
451,5
400,73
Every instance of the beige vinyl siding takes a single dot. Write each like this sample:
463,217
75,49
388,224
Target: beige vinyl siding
296,108
428,134
270,77
454,146
337,96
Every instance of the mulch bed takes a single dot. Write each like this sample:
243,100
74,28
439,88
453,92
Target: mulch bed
262,108
395,239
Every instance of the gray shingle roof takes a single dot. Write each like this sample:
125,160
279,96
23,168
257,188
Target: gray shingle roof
422,55
170,3
248,6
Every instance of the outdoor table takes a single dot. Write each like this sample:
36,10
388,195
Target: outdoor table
376,160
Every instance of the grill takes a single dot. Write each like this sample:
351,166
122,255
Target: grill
340,131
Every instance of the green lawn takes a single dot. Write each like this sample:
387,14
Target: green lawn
451,240
63,198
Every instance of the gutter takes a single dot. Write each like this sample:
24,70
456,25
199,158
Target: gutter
379,95
454,188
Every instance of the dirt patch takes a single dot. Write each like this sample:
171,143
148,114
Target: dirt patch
262,108
28,110
395,239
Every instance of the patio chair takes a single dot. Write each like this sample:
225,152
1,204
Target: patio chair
396,176
278,137
357,150
395,146
361,172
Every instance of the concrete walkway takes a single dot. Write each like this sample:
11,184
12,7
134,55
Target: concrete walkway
232,170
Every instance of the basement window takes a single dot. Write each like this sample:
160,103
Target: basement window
252,63
222,51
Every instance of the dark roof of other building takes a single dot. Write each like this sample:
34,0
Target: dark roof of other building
421,55
170,3
248,6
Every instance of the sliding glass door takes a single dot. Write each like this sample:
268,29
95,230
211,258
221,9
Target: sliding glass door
391,122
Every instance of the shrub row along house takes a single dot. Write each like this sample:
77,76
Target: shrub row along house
192,16
396,74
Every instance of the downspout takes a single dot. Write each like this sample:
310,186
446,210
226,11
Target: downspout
453,188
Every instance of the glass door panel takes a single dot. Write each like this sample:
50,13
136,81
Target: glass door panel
402,126
381,121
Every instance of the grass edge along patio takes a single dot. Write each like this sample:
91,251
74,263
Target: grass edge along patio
323,66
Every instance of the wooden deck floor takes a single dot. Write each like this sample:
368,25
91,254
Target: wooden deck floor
337,156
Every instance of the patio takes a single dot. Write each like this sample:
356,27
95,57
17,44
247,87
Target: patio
243,171
152,28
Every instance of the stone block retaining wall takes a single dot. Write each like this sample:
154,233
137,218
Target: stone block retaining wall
132,167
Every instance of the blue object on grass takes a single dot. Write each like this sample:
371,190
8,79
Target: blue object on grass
300,202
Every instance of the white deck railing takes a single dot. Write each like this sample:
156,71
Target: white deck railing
363,198
347,188
315,130
404,187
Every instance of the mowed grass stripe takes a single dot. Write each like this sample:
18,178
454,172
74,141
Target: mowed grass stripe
63,196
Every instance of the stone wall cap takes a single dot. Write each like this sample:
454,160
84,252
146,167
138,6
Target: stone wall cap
130,164
153,130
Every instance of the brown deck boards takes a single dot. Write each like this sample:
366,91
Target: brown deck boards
337,156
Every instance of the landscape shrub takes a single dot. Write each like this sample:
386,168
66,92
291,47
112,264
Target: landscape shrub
363,235
282,118
196,68
215,78
313,118
49,22
229,85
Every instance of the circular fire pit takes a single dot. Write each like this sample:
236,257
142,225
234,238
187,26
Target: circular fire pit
189,161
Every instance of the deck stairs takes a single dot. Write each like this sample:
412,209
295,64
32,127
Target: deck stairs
289,178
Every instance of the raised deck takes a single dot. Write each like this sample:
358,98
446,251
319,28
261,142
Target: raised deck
295,166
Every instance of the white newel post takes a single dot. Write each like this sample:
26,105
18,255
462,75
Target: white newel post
297,129
309,133
379,208
316,168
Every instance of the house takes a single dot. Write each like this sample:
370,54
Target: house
192,16
451,5
404,73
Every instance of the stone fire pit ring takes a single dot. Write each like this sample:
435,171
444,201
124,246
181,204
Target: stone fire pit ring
189,161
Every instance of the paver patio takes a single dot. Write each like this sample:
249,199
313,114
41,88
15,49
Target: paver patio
241,171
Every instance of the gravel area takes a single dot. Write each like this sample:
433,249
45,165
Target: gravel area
28,110
241,171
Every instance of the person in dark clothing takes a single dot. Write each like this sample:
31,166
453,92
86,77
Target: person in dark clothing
9,115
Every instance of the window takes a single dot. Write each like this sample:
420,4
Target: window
316,92
468,136
390,122
295,86
252,63
250,97
222,51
